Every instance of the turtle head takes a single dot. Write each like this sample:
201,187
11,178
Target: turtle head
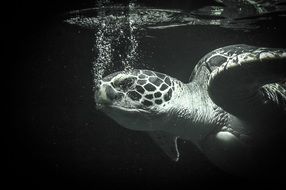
136,99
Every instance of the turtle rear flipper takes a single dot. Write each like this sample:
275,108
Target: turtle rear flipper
246,85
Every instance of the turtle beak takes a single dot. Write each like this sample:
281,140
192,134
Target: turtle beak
105,94
101,97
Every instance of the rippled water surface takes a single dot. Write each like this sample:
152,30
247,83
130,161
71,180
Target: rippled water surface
118,29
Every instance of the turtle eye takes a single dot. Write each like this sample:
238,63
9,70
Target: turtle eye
124,84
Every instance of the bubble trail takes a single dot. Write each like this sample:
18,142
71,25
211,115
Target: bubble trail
116,41
102,46
132,55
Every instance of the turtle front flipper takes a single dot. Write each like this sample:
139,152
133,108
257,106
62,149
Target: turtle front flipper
247,84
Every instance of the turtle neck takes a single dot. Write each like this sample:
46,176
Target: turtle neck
193,115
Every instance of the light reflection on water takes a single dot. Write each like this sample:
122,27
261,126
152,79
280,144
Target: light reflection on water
118,28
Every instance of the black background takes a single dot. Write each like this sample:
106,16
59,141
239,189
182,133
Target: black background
58,139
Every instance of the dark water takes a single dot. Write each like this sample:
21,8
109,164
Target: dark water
59,138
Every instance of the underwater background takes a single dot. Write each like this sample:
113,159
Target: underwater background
58,136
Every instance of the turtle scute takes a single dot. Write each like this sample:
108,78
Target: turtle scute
168,95
134,95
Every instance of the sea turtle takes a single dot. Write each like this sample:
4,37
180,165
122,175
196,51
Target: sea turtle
231,109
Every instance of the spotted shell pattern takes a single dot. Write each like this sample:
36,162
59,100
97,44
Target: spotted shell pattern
152,88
